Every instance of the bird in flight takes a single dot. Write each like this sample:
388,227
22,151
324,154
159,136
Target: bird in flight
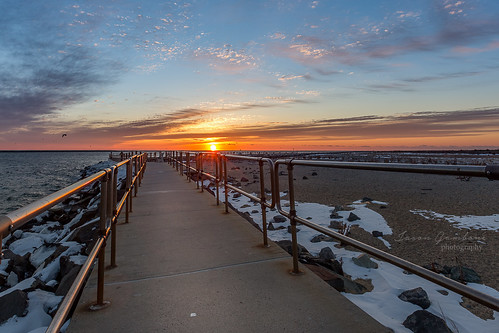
64,135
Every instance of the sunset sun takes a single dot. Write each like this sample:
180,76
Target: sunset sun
213,147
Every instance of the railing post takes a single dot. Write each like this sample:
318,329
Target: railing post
135,185
104,196
181,165
262,204
176,160
197,170
292,213
130,195
128,206
201,171
188,157
225,185
113,225
217,176
139,171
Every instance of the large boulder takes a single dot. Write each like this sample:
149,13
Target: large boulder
423,321
13,304
416,296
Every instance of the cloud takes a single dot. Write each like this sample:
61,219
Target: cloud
445,25
44,70
226,59
431,124
408,84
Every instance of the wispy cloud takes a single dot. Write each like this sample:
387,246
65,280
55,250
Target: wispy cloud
226,59
447,24
461,123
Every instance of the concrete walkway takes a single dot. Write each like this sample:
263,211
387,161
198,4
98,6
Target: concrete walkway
186,266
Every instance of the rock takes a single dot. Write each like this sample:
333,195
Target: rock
326,254
279,219
237,195
17,234
254,211
20,265
321,238
87,216
334,215
85,234
66,265
366,199
377,233
13,304
286,245
304,177
336,224
244,180
352,217
314,173
437,268
364,260
416,296
290,231
423,321
67,281
464,274
270,226
443,292
58,251
245,206
344,284
12,279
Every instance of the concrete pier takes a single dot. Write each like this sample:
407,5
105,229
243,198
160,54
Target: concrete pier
186,266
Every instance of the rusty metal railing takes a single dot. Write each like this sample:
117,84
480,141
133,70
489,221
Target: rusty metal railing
262,200
176,159
491,172
110,209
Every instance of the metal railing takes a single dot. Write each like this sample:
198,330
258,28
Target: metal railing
491,172
110,209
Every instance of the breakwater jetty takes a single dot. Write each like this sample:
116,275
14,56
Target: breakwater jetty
175,238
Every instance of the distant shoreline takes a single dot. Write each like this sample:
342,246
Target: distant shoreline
463,151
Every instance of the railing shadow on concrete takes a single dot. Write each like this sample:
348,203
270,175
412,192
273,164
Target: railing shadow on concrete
491,172
109,208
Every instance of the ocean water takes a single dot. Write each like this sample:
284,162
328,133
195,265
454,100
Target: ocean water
28,176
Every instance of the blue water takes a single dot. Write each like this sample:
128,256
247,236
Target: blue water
28,176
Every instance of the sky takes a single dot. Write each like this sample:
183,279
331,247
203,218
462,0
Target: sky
249,75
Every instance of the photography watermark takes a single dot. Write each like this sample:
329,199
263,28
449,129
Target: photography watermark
446,242
461,248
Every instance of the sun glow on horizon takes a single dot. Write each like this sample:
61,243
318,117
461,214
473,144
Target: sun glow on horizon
213,147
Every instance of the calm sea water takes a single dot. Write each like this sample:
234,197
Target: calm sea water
28,176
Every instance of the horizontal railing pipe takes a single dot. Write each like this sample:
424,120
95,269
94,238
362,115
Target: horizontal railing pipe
68,301
443,281
22,215
490,172
440,169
